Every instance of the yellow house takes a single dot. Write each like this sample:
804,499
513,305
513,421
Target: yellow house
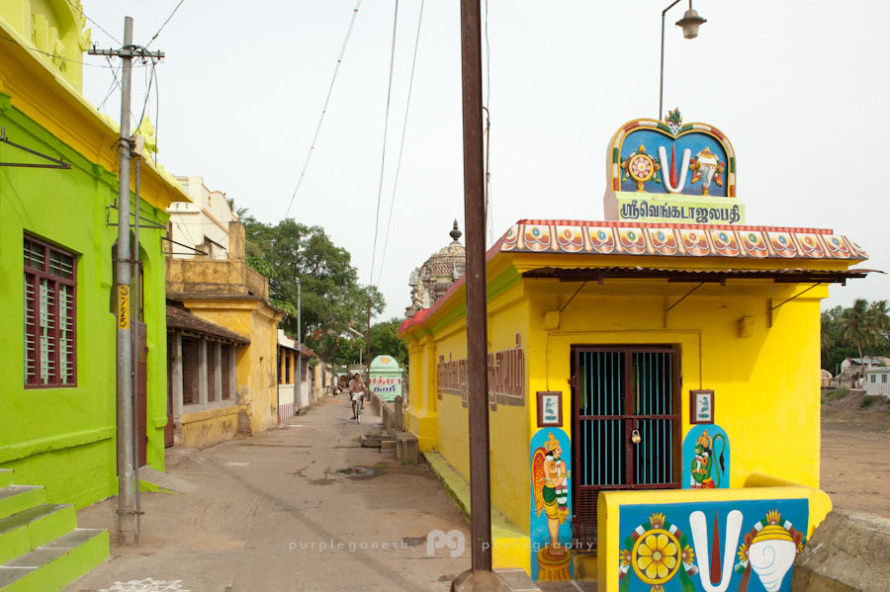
652,378
231,295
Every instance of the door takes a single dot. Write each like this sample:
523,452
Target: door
171,360
141,355
626,425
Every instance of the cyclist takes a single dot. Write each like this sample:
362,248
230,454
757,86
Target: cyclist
356,392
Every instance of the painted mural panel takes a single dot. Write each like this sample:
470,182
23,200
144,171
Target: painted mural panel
386,378
739,545
673,158
706,457
551,529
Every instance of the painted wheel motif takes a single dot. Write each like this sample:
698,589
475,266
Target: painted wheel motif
655,556
641,167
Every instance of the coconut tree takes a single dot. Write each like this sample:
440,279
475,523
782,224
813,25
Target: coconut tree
879,313
863,324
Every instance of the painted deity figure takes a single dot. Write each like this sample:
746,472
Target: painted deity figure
551,484
703,463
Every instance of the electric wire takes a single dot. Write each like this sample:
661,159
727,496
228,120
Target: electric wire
157,113
392,60
401,144
164,25
151,76
324,108
98,26
49,54
115,83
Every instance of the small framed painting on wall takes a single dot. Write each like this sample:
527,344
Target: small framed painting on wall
701,407
549,409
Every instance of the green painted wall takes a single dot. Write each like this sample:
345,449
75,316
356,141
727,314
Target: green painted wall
64,438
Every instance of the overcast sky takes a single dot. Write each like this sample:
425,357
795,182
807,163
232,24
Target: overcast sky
800,88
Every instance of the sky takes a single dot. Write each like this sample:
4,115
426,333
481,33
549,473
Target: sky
800,88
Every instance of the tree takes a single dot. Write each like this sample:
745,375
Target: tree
307,270
863,324
385,340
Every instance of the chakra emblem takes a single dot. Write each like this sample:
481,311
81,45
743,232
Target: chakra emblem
656,556
655,552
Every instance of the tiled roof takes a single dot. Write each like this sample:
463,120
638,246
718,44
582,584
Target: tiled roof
188,323
678,240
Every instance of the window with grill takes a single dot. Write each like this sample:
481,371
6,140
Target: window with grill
50,319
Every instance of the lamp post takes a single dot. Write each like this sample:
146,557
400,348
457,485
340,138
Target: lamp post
361,349
690,22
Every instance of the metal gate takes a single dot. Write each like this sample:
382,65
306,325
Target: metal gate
626,424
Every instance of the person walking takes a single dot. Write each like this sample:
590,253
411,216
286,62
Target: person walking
356,391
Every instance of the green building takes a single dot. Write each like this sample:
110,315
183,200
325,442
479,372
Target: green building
58,347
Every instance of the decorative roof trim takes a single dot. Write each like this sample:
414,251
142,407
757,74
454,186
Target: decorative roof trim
780,276
678,240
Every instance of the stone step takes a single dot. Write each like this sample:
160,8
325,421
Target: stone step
6,477
24,531
17,498
374,440
58,563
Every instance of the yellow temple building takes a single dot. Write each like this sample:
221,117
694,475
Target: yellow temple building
653,378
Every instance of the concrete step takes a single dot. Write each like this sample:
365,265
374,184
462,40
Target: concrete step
6,477
52,566
24,531
374,440
16,498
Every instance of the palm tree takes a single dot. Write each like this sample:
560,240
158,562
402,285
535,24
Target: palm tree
879,314
864,323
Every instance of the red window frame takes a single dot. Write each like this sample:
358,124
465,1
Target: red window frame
50,307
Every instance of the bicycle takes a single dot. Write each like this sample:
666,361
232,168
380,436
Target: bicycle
358,408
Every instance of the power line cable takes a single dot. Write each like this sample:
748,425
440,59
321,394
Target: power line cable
49,54
115,83
157,112
324,109
151,76
165,24
402,143
392,60
98,26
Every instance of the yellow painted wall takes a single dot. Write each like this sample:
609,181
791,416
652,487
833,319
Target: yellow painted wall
765,382
766,385
206,428
421,416
453,418
255,364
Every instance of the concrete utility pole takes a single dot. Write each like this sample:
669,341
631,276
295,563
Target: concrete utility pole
125,424
480,577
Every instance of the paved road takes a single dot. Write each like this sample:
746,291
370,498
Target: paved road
275,512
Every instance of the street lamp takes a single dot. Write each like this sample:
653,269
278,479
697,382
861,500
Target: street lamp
360,351
690,22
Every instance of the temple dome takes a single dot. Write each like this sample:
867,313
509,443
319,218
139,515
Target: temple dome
431,280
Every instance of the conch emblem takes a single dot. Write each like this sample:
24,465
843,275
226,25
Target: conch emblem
706,167
769,550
